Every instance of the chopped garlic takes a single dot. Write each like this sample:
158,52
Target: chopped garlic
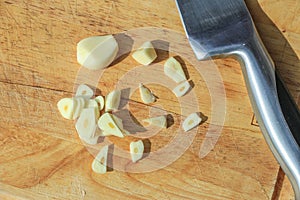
66,107
112,100
160,121
107,124
182,89
136,150
86,124
146,95
145,54
99,164
173,70
84,91
191,122
92,103
80,105
97,52
100,101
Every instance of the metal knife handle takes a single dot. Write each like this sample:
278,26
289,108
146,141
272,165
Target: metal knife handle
259,73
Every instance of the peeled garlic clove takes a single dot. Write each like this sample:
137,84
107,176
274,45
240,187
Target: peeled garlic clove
173,69
136,150
100,101
146,95
160,121
84,91
66,107
112,100
92,103
182,89
99,164
109,126
191,121
97,52
145,54
86,124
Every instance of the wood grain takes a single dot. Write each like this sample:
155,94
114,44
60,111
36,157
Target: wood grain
41,155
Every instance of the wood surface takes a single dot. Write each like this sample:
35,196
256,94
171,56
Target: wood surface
41,156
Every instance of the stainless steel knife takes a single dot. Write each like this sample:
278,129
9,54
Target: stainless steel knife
217,28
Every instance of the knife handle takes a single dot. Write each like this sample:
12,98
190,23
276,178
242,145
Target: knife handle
260,77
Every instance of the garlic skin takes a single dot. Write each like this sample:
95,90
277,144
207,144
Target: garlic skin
97,52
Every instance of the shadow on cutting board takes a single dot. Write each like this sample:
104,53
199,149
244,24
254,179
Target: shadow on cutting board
279,53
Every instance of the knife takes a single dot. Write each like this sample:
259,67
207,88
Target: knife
220,28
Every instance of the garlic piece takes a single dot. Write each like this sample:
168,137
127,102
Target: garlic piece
84,91
146,95
97,52
145,54
160,121
100,101
86,124
66,107
181,89
80,105
99,164
173,69
92,103
136,150
112,101
109,127
191,121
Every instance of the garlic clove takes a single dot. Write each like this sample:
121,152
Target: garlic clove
136,150
173,69
97,52
99,164
160,121
191,122
112,100
84,91
146,95
181,89
66,107
145,54
109,126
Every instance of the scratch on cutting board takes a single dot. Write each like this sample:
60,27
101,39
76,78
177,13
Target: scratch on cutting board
112,5
12,16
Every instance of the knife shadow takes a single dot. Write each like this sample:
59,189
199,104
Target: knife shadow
286,60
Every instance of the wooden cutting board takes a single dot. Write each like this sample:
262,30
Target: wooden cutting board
41,156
